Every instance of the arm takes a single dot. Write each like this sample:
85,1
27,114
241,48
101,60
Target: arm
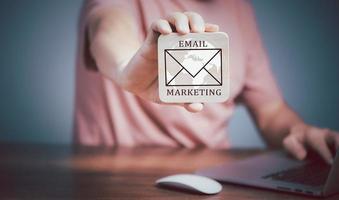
108,29
133,66
282,127
275,121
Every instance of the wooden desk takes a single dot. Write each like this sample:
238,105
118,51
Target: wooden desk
63,172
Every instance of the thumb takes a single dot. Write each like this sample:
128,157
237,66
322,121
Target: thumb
194,107
151,37
295,146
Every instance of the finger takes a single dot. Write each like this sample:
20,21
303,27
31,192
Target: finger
191,107
194,107
332,139
180,22
196,22
158,27
152,37
211,27
295,146
316,139
162,26
335,136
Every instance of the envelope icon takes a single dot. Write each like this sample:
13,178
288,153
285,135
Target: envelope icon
193,67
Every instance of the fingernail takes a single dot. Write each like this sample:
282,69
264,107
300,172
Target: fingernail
184,29
198,29
168,31
216,26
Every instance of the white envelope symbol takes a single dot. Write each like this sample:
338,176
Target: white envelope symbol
193,67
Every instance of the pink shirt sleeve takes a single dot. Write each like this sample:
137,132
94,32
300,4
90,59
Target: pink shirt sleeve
90,7
259,87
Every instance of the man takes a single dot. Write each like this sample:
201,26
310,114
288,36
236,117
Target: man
117,101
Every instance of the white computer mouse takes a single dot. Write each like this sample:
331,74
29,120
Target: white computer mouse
191,182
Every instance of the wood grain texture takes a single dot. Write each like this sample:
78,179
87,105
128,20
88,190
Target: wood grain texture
65,172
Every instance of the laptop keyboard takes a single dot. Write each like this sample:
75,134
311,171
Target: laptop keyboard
312,174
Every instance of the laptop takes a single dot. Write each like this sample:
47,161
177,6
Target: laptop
278,171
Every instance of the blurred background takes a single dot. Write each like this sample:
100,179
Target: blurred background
37,58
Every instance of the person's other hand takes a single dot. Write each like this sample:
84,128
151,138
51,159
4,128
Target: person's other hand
305,137
140,76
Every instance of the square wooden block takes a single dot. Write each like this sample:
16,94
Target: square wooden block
193,67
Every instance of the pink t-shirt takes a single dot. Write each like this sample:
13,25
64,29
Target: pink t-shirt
107,115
